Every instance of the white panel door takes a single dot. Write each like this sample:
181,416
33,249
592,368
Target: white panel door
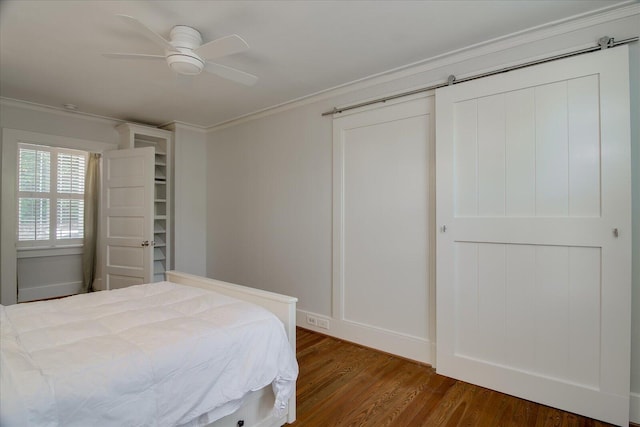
381,221
534,242
127,217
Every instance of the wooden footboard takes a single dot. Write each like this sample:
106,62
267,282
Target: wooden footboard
284,307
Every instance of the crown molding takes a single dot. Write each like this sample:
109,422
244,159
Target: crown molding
174,125
513,40
33,106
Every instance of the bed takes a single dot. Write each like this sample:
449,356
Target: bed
190,351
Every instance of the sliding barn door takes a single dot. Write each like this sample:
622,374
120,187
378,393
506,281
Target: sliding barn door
534,239
382,245
127,217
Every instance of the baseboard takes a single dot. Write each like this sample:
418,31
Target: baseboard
634,409
48,291
406,346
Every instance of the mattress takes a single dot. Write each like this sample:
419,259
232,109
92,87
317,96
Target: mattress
157,354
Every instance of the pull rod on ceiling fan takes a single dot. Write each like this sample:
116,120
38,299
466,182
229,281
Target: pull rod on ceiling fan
185,54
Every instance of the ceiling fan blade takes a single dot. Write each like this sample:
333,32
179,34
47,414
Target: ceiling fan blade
147,32
223,46
231,74
132,56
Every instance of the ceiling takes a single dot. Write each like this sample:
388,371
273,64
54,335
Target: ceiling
51,51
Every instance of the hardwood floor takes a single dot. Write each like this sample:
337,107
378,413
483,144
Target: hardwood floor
343,384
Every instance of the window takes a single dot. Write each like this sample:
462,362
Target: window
50,196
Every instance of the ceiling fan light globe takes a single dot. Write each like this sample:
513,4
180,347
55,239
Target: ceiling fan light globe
185,64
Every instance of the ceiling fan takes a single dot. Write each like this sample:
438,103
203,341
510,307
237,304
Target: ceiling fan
185,54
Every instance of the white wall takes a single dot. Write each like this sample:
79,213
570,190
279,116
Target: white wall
16,115
269,179
49,273
189,238
269,205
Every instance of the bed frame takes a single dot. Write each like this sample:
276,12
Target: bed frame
256,410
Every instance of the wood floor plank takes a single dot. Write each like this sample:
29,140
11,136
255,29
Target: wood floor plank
431,393
387,391
338,373
344,384
410,390
357,389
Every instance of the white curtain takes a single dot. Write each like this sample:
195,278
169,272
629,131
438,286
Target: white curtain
91,194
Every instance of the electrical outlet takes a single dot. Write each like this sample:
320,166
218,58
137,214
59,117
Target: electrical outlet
323,323
312,320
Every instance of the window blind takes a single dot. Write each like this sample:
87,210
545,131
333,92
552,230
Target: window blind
35,170
33,219
50,195
71,169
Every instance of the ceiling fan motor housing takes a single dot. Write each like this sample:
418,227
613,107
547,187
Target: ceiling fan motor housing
185,60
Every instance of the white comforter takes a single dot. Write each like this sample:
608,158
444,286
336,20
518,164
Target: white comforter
150,355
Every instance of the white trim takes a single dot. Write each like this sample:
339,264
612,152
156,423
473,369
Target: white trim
410,347
49,291
634,408
9,262
34,106
173,125
11,102
510,41
37,138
